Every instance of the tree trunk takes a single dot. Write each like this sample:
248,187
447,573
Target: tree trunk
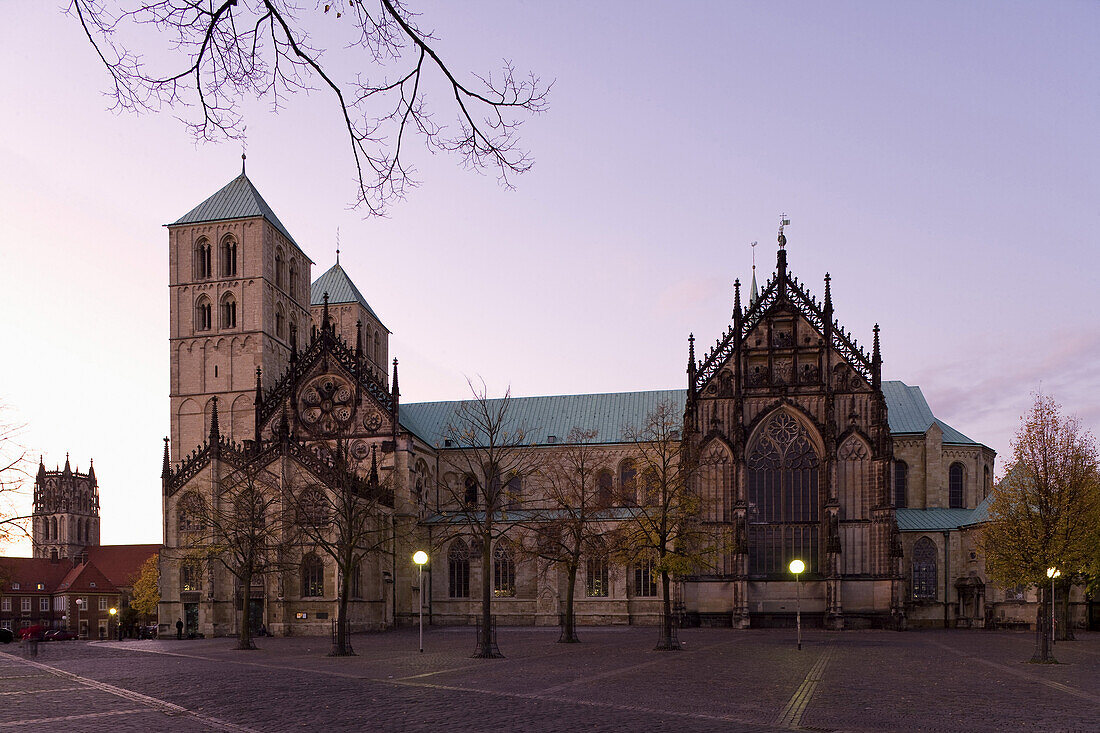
1042,629
342,648
244,630
569,624
485,637
1063,630
666,642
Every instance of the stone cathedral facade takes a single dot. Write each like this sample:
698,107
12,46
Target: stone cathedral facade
805,453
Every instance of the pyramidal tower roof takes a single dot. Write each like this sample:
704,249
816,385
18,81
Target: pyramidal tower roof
238,199
340,289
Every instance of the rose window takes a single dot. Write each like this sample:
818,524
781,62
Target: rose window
327,404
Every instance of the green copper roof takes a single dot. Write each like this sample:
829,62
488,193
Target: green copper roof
939,519
609,414
908,412
238,199
340,289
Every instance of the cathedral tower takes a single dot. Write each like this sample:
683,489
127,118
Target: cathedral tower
240,294
66,512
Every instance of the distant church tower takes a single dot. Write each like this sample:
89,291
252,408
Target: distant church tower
240,296
66,512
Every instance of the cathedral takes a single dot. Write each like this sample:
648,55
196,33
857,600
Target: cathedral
805,453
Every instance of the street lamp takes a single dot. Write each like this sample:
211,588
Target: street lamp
420,557
1052,573
113,612
798,567
79,603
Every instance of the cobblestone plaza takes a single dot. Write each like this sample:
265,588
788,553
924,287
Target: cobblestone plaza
723,680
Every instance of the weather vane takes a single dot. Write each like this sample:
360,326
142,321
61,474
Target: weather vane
338,245
754,256
783,222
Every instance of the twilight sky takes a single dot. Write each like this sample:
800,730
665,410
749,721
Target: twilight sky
939,159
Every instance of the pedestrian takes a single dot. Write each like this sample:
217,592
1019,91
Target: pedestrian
179,628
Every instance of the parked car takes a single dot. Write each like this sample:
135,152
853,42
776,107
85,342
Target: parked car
32,632
59,635
6,637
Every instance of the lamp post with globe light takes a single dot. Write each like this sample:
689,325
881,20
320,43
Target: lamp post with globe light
79,603
798,567
112,619
1052,573
420,557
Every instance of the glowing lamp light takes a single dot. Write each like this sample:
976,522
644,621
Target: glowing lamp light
113,611
797,567
1054,573
420,557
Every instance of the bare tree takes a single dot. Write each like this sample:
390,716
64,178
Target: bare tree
488,447
13,474
1046,510
220,51
345,517
663,531
248,531
567,519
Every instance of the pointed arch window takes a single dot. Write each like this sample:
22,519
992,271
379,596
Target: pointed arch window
458,570
280,269
280,321
504,571
901,484
190,576
513,492
378,356
470,492
645,577
229,257
294,279
956,483
189,513
628,482
784,501
313,577
203,269
596,575
229,311
924,569
605,488
203,314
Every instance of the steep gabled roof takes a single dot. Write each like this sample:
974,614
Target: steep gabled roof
908,412
121,563
340,289
609,414
28,572
238,199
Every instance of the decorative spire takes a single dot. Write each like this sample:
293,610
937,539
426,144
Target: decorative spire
259,387
67,469
166,467
373,478
396,390
215,433
358,339
243,157
324,312
284,425
737,298
338,245
754,293
876,363
91,469
259,405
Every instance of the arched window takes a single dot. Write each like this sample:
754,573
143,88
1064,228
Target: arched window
203,316
595,576
784,502
987,485
280,269
605,488
229,257
504,571
513,492
189,513
956,481
190,576
377,348
313,577
280,321
53,529
901,484
650,487
924,569
458,570
293,334
293,278
229,311
645,577
356,581
203,269
628,482
313,508
470,486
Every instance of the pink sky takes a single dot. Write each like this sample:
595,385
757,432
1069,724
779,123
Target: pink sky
940,160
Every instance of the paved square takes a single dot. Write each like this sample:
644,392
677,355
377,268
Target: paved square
723,680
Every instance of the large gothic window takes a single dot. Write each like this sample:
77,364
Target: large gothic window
596,576
956,480
784,511
901,484
924,569
190,576
458,570
313,576
504,571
